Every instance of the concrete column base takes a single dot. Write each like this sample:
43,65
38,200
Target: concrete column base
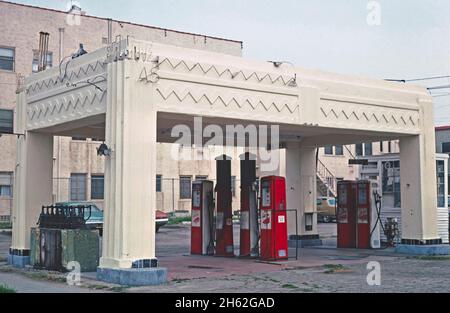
133,276
304,241
19,258
423,249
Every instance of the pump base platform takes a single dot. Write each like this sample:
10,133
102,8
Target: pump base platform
19,258
133,276
423,249
304,241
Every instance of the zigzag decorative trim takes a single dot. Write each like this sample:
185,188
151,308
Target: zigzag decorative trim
53,82
205,69
59,105
371,116
214,99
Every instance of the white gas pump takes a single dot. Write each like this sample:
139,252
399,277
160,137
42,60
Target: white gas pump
375,216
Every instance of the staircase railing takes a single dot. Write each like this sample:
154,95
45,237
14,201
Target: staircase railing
350,152
327,178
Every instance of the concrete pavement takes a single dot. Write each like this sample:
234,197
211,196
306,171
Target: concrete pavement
22,283
318,269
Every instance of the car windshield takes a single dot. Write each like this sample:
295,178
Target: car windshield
95,212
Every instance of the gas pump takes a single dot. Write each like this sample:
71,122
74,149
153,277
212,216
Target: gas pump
202,224
249,233
358,214
274,243
224,216
346,215
375,214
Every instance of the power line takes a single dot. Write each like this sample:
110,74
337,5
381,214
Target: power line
438,87
395,80
426,78
417,79
441,95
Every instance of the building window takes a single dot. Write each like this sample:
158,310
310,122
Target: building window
79,138
446,147
97,186
5,218
78,187
339,150
381,146
359,149
35,63
328,150
7,59
158,183
185,187
368,148
233,186
6,121
5,191
5,185
440,180
389,146
363,149
391,180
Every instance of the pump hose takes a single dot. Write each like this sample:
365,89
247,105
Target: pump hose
211,206
378,210
255,248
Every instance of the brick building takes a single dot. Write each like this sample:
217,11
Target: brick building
78,171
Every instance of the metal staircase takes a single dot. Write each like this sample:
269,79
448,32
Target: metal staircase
326,181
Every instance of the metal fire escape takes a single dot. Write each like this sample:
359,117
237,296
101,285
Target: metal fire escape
326,181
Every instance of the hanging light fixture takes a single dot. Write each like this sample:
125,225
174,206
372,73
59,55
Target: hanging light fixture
104,150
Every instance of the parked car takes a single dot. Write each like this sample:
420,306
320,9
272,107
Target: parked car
95,220
162,219
326,209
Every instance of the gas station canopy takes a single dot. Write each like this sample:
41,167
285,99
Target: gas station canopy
132,93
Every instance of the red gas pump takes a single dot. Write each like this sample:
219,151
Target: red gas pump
346,214
274,243
363,215
358,216
224,216
202,231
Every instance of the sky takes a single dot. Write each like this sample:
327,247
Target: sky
410,39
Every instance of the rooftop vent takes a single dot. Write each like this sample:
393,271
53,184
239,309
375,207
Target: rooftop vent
76,9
